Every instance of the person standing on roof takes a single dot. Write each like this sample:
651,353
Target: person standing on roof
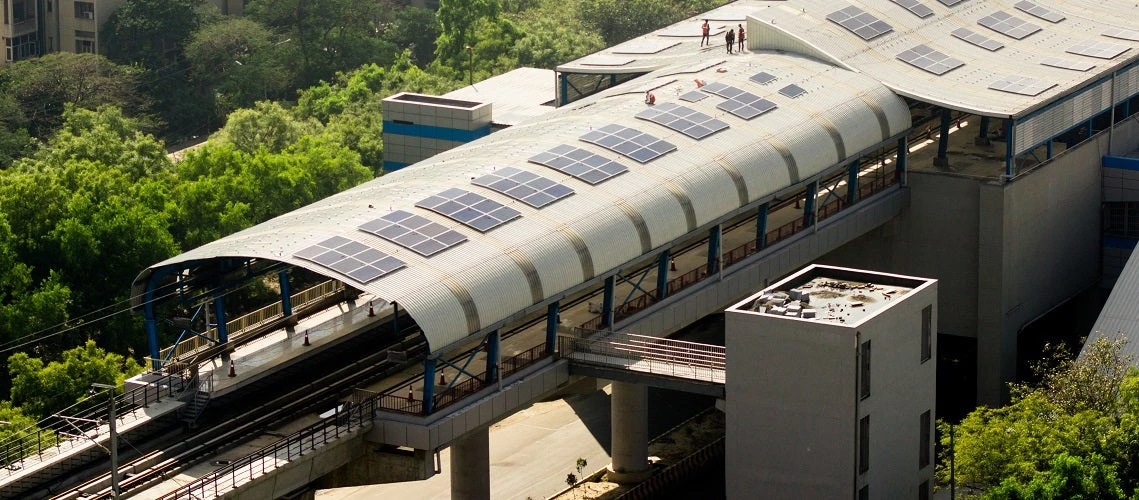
740,37
705,29
731,39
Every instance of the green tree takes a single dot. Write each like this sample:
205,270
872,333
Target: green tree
415,30
234,59
457,22
25,308
40,389
1068,478
150,32
267,125
14,423
45,86
14,138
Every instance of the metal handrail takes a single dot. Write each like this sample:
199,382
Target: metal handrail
659,356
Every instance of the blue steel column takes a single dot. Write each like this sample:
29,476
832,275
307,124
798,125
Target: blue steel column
286,293
492,356
1049,145
900,163
552,326
761,227
428,386
219,314
852,182
151,324
984,131
395,318
607,302
662,274
564,86
942,159
714,248
809,206
1009,131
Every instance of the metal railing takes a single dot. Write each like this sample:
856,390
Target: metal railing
243,324
78,425
735,255
659,356
267,459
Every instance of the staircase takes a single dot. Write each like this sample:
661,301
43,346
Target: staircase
197,403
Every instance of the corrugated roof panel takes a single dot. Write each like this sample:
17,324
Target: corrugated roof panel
1119,316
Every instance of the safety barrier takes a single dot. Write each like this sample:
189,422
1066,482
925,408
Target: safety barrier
240,326
84,422
659,356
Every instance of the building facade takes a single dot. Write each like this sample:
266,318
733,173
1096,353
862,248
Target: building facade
831,387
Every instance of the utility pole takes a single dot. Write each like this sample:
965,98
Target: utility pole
470,65
114,441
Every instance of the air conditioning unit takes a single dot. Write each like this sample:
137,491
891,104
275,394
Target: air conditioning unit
89,15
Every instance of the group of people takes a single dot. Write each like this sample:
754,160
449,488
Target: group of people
731,37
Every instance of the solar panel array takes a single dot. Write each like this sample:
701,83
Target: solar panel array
1022,85
687,121
915,7
1038,11
581,164
762,78
739,102
1122,34
950,3
930,60
413,232
1056,62
1101,50
351,258
527,187
860,22
693,96
629,142
474,210
1008,25
978,39
792,91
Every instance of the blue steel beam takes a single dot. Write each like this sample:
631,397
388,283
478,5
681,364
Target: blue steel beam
714,235
761,226
809,206
942,159
492,356
636,286
607,303
902,159
662,274
428,386
1010,129
552,326
286,293
219,316
852,182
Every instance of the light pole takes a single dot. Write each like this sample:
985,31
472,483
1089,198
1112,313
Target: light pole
114,440
470,65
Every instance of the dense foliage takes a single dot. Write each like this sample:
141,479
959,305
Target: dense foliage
1073,435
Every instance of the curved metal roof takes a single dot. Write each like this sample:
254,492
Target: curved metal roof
545,252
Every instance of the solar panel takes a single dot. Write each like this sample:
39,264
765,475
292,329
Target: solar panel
950,3
687,121
582,164
351,258
693,96
915,7
472,209
1022,85
629,142
1038,11
1122,34
527,187
413,232
978,39
741,103
930,60
1056,62
1005,24
860,22
762,78
1101,50
792,91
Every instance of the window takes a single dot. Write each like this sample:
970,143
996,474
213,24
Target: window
7,49
923,490
6,15
864,444
19,11
923,445
84,46
864,373
864,493
84,10
926,333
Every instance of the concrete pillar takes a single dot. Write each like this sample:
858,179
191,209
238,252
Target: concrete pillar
470,466
942,159
629,412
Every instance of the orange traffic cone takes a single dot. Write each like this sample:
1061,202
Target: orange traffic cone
442,379
232,369
371,312
671,264
410,395
306,339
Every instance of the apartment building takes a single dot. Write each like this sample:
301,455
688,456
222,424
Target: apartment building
35,27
